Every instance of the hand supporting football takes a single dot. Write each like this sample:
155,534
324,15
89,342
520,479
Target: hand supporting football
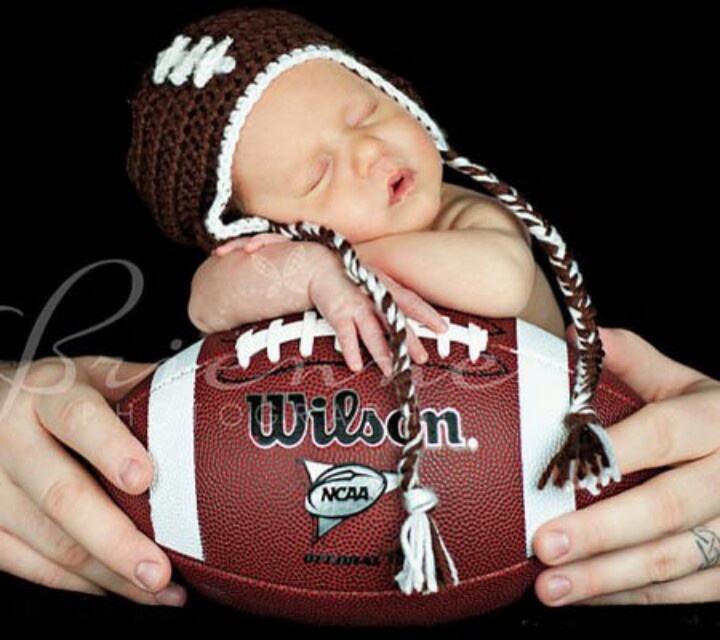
659,542
58,527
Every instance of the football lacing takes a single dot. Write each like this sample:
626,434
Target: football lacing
278,332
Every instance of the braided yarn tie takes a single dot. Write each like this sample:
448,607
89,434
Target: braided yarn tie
426,558
586,460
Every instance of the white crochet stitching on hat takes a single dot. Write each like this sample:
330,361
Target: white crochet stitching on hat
203,61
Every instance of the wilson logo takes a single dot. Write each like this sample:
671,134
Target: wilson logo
338,492
288,420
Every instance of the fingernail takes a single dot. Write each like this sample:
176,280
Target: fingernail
149,574
556,544
131,473
558,587
171,596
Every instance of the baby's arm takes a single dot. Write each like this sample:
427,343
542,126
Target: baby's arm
480,262
236,287
240,284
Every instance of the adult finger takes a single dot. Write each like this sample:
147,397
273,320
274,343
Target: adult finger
21,518
657,507
61,559
82,419
651,374
676,430
665,560
111,377
71,497
703,586
21,560
99,574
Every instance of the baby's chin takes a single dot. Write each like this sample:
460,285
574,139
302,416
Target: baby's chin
421,212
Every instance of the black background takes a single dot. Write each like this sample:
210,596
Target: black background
600,117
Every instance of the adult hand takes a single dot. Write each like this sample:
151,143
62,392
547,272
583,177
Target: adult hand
58,527
659,542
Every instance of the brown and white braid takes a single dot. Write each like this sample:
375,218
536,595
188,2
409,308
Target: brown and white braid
587,456
426,557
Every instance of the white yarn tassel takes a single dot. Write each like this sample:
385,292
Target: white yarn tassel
416,540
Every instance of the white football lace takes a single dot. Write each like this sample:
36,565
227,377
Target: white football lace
278,332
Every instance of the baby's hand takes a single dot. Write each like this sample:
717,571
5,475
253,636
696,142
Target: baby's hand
347,308
249,244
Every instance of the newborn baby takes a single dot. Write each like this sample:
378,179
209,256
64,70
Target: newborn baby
326,146
256,127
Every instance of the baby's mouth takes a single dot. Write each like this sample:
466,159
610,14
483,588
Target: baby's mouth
400,184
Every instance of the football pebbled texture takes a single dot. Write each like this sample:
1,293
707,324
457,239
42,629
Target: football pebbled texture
276,487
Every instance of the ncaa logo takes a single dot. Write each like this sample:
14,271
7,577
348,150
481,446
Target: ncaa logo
338,492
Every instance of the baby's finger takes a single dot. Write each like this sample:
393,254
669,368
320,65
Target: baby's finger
374,339
416,351
413,306
228,247
263,239
347,337
415,348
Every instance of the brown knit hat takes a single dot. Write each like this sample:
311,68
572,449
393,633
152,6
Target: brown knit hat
187,117
214,71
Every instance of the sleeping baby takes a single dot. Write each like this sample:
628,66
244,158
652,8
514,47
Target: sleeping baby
314,179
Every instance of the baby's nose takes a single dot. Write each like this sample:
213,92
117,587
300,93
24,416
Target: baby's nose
371,157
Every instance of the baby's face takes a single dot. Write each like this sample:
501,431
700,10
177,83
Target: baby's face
325,146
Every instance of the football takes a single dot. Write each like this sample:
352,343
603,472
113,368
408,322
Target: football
276,486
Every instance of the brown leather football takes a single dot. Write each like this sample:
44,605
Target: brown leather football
276,487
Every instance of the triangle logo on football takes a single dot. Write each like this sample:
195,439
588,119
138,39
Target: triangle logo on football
338,492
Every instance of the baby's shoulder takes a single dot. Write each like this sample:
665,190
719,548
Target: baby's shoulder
462,208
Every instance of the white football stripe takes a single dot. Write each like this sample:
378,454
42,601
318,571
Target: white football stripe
544,397
171,442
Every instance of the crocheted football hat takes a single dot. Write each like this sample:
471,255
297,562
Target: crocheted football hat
187,117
